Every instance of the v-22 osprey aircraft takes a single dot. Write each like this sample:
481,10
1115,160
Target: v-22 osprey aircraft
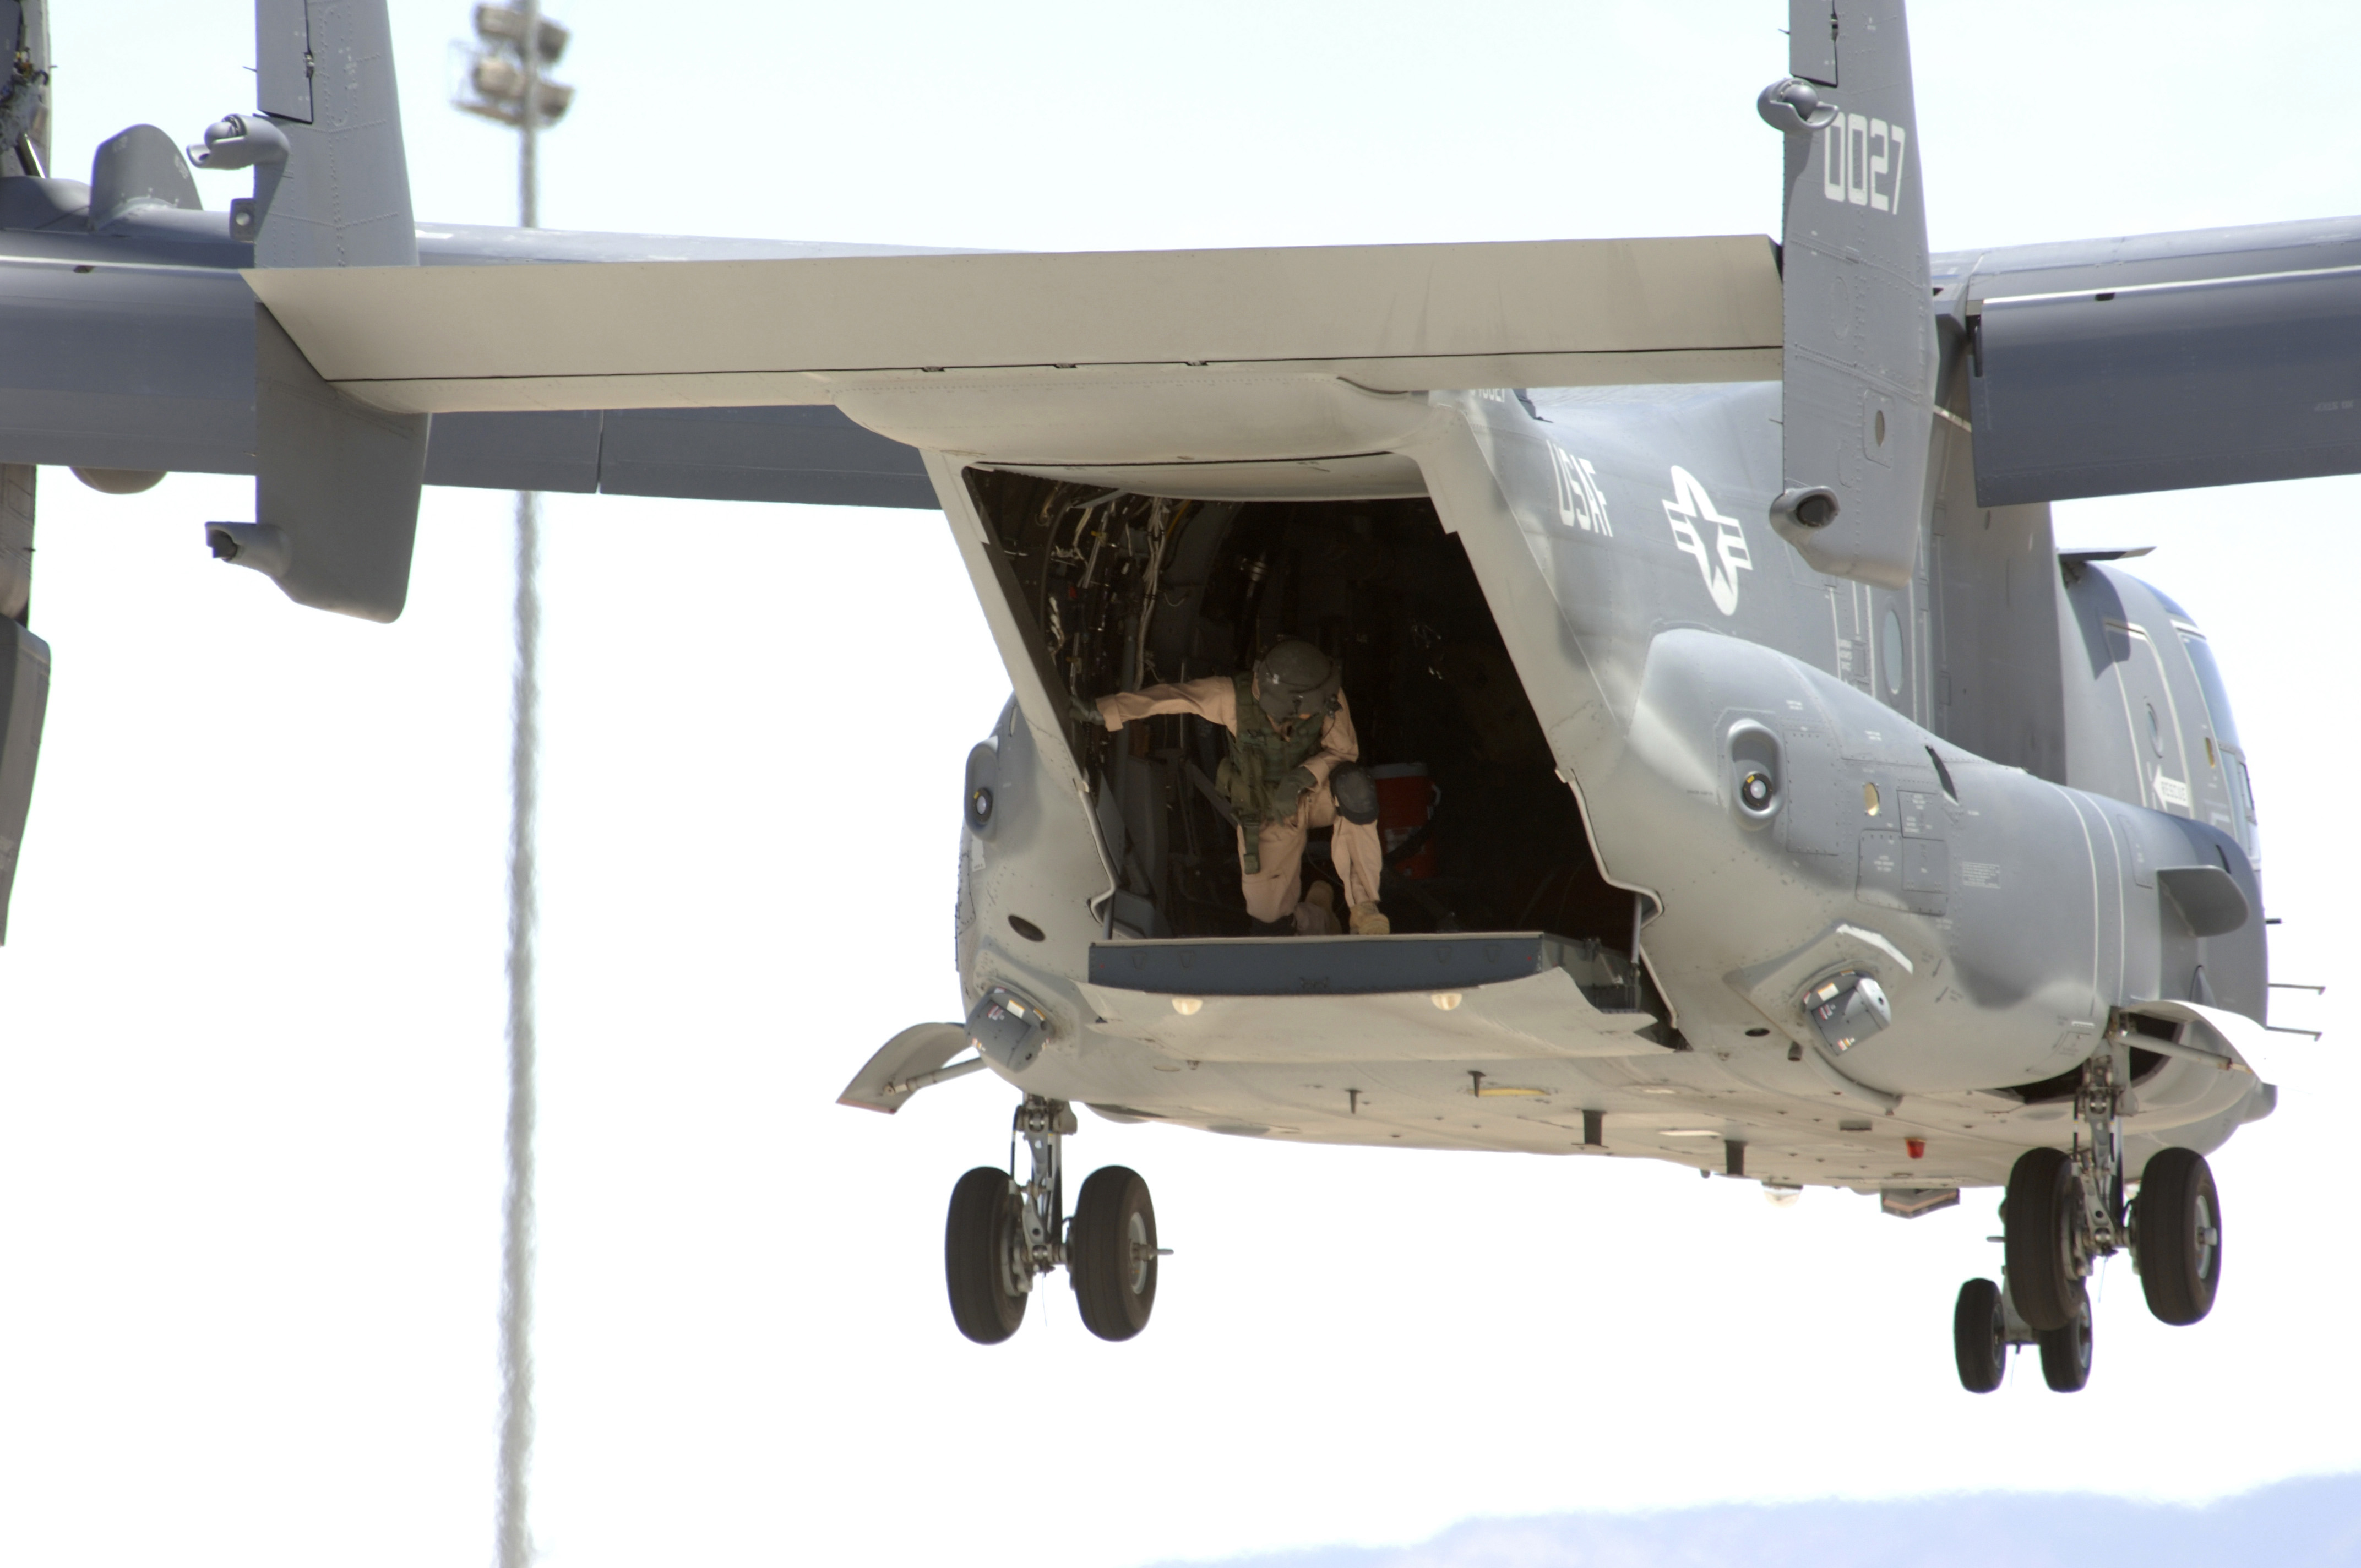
1764,792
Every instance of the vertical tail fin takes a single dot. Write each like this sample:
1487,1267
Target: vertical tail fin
324,73
24,658
1861,352
337,485
24,87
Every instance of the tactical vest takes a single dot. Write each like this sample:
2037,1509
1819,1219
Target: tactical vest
1259,757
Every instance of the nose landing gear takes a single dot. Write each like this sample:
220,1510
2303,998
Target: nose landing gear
1112,1253
984,1259
1002,1234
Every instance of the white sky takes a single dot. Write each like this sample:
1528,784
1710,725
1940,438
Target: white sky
250,1051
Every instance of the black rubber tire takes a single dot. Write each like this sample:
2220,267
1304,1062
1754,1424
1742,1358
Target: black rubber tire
1979,1336
2043,1213
981,1240
1111,1253
2178,1236
2066,1352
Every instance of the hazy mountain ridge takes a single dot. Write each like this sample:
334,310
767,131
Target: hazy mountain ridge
2310,1522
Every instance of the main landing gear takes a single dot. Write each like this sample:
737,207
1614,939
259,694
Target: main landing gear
2063,1211
1002,1234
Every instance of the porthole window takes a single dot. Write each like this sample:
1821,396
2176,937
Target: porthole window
2154,730
1892,654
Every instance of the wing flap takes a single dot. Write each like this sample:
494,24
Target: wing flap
812,456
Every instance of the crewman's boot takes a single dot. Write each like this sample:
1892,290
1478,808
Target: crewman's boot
1368,920
1316,916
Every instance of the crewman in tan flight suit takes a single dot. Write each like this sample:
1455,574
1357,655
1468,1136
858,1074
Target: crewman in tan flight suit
1293,766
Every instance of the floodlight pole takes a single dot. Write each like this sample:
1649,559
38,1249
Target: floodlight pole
518,1226
529,123
517,1218
515,98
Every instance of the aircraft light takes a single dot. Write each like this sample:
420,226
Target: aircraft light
507,24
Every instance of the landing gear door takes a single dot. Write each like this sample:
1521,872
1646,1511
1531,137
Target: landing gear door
1860,325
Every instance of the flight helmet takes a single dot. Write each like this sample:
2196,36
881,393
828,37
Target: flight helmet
1294,678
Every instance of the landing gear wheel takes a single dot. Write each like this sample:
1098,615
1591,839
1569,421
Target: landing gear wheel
1979,1336
2178,1237
2066,1352
1111,1253
2044,1214
984,1261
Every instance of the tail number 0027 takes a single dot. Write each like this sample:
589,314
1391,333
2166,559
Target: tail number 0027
1860,162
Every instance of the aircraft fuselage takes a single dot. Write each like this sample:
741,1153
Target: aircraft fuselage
2013,868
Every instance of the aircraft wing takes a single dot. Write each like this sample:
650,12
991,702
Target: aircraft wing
2217,357
811,454
741,333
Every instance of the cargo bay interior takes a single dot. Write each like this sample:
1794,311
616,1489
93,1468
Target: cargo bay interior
1117,590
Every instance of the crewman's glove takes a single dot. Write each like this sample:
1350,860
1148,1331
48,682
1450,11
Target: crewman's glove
1084,711
1288,792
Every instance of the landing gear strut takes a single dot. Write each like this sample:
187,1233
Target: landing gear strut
2064,1211
1003,1234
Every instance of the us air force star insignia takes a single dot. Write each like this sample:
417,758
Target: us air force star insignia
1690,512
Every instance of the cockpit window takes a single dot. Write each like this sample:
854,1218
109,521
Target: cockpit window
2225,732
2217,695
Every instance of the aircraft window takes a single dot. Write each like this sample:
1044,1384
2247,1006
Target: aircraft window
2242,796
2154,730
1892,654
2217,695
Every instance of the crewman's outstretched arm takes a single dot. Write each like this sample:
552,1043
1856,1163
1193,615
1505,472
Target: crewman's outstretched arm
1214,698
